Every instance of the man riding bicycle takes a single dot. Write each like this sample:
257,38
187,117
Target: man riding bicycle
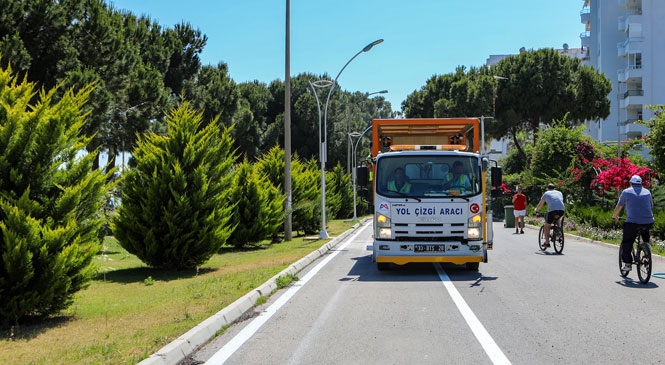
555,208
639,213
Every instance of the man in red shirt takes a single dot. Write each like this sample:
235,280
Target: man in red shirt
519,209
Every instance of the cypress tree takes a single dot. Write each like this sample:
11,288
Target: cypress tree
258,206
306,196
50,200
175,212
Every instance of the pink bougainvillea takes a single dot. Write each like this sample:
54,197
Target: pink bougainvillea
615,173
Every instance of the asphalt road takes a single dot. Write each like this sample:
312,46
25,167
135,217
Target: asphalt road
522,307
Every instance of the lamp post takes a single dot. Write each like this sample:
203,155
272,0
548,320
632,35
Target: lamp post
355,150
324,136
618,124
348,129
314,85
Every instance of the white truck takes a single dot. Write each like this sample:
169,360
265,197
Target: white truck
440,213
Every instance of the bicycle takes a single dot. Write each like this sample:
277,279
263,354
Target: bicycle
641,254
556,235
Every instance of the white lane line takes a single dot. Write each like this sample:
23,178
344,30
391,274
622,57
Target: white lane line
236,342
491,348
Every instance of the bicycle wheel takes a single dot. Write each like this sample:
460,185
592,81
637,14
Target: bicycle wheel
557,239
623,272
643,260
541,239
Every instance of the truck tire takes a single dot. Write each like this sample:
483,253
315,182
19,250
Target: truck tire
472,266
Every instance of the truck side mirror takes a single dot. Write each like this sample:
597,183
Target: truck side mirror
497,176
497,180
362,175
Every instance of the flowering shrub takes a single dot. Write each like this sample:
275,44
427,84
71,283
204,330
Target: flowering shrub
615,174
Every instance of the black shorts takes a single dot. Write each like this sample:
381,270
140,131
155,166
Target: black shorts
550,217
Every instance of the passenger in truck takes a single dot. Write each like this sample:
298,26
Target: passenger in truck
399,182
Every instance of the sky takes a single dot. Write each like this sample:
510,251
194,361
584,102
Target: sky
422,38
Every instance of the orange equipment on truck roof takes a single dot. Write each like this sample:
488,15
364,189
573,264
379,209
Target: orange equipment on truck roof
462,134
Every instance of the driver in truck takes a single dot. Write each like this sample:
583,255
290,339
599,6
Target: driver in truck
399,182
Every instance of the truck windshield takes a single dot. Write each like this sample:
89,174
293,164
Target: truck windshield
431,175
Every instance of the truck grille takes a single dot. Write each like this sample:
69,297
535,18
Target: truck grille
429,231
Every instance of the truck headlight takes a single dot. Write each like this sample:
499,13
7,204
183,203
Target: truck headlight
475,225
383,227
473,233
385,233
475,221
382,221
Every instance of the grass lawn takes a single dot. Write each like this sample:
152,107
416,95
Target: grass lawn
130,311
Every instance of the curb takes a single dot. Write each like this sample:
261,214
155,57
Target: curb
185,345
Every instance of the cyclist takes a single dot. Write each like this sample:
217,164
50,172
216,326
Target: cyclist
639,213
555,206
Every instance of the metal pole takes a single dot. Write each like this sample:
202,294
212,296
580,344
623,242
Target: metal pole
288,235
355,153
324,137
314,85
618,124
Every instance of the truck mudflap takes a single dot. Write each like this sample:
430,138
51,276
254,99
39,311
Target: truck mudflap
489,237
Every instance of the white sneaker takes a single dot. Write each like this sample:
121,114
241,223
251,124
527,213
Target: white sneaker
626,267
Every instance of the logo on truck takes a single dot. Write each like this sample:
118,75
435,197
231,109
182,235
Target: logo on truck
474,208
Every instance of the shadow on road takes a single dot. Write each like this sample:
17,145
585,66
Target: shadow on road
634,283
365,270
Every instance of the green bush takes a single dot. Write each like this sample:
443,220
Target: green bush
594,216
257,206
50,200
175,212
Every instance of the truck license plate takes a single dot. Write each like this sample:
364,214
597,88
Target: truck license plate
429,248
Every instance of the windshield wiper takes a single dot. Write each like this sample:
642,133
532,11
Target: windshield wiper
405,195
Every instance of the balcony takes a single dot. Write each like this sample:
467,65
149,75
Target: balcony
622,24
629,121
585,37
585,16
632,73
630,4
634,92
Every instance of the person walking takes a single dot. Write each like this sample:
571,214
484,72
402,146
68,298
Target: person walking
519,209
639,213
555,207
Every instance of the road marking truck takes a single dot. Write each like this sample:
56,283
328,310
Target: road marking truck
437,211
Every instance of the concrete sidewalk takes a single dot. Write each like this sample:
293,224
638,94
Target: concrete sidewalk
188,343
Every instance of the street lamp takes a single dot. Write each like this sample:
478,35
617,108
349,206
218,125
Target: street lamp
348,128
324,137
619,123
314,85
355,150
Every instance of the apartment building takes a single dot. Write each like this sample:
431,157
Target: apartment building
625,40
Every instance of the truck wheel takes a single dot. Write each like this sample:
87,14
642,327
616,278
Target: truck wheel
383,266
472,266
